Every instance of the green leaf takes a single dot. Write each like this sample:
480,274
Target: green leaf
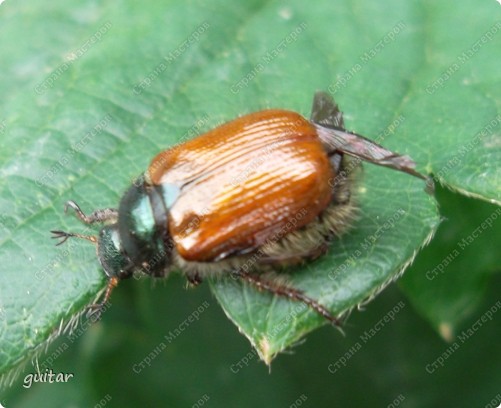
454,100
94,93
448,280
396,218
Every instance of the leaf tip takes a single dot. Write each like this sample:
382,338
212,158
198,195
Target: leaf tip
446,331
264,351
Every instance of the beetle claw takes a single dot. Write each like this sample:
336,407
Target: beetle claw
63,236
94,311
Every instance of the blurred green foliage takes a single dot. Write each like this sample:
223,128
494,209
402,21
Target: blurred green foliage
154,73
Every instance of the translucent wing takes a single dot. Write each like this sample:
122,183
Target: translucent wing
325,111
328,120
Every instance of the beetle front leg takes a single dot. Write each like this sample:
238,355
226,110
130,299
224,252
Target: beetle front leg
104,215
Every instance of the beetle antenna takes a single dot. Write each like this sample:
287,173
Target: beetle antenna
63,236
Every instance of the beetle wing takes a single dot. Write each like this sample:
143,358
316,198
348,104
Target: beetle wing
328,119
325,111
248,182
365,149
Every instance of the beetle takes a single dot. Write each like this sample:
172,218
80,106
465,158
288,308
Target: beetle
266,190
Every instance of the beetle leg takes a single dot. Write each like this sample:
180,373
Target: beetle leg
63,236
336,159
96,308
345,169
103,215
287,292
194,279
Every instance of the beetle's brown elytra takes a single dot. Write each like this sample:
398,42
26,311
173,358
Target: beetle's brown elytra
233,214
267,189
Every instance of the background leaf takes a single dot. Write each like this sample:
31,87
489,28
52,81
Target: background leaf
94,92
450,277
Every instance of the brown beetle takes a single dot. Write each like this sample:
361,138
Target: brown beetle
271,187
